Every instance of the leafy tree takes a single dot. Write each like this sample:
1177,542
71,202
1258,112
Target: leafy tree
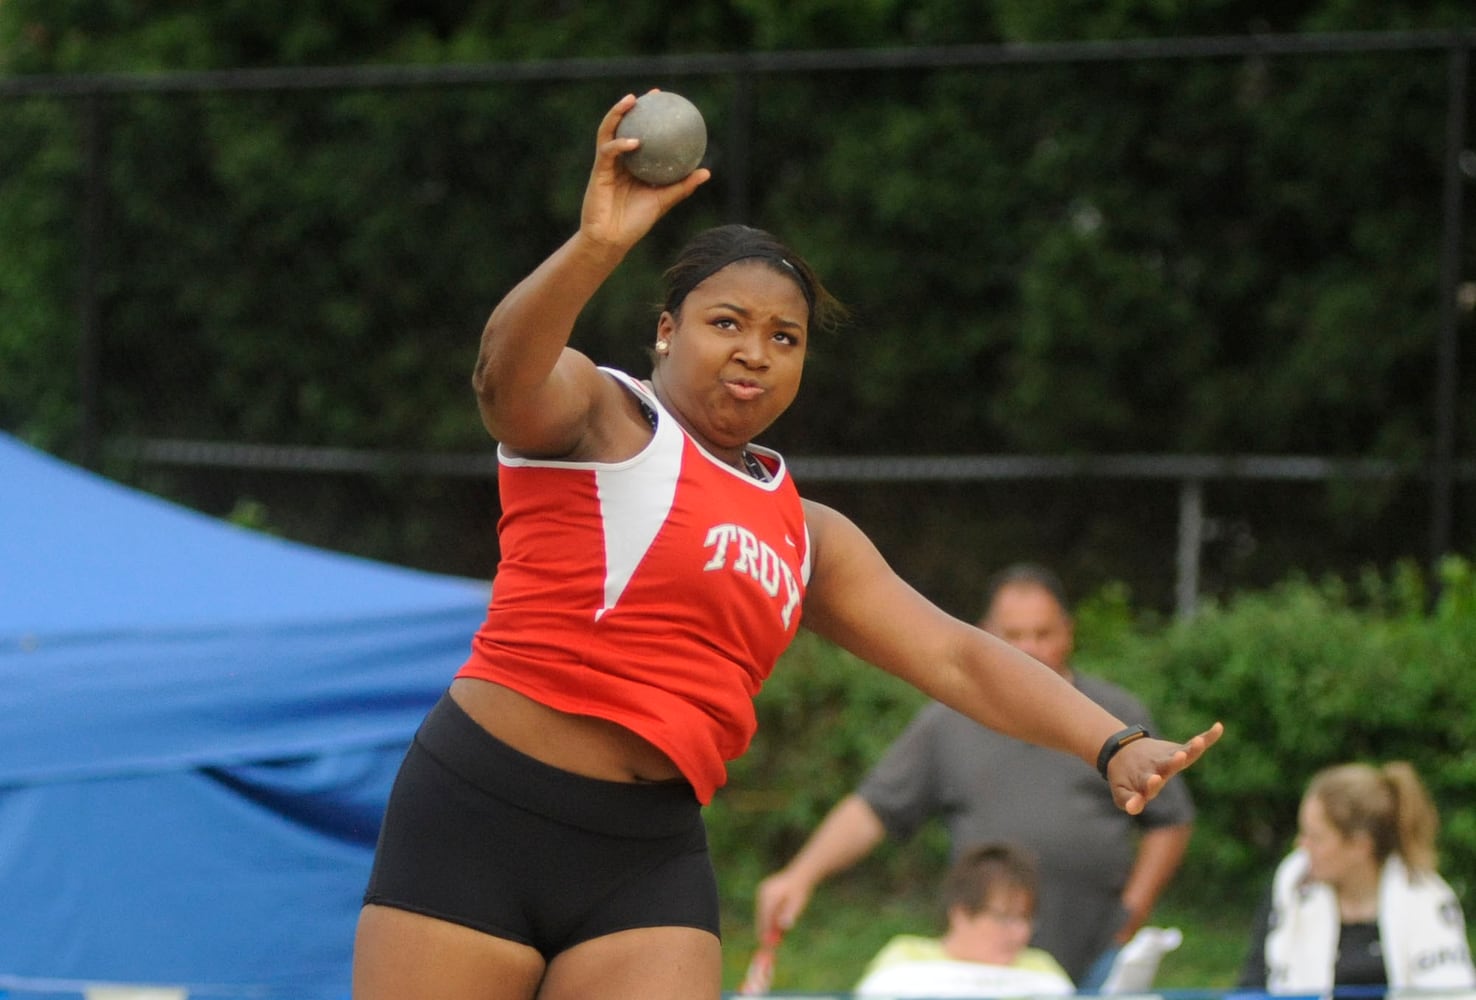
1222,254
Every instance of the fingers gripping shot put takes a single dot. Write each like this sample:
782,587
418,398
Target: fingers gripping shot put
673,137
544,837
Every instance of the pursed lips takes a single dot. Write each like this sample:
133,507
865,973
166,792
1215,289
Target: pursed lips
744,388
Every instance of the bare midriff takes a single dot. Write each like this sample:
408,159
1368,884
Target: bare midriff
580,744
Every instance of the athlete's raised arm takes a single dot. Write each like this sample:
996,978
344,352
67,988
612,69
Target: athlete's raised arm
537,396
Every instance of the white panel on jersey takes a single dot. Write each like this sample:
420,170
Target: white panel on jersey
635,499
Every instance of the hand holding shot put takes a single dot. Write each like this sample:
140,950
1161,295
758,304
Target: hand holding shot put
544,837
619,208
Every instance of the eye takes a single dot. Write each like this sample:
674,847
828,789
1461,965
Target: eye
787,338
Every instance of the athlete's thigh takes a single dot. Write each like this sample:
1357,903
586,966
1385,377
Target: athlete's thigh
400,955
647,963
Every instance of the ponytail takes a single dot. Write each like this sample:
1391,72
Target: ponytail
1416,820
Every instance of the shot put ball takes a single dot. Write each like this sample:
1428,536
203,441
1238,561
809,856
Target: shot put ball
673,137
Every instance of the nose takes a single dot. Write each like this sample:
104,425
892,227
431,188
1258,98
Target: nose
752,350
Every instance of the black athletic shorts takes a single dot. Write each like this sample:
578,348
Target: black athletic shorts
482,835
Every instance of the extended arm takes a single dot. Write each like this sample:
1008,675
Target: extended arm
856,600
1160,852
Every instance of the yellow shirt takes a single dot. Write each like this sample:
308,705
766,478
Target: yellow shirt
1037,971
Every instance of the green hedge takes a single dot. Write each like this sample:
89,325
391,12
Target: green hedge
1304,675
824,719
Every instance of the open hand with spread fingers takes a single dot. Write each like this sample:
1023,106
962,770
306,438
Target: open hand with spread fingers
1138,768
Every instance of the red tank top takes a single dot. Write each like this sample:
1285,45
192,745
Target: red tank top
657,592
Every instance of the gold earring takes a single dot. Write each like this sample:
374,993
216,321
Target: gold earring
662,347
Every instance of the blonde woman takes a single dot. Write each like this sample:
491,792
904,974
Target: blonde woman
1359,902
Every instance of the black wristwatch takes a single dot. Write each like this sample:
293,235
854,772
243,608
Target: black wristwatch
1116,742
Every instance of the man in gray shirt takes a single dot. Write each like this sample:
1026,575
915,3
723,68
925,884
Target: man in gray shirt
1101,869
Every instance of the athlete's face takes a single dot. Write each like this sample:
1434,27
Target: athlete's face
735,353
1030,618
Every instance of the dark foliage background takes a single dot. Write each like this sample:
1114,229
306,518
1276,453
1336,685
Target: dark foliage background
1231,255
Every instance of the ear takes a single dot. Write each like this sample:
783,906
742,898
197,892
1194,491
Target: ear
665,325
1363,840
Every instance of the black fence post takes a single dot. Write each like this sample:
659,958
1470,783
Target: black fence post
89,308
736,161
1446,359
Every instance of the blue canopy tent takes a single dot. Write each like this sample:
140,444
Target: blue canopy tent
201,727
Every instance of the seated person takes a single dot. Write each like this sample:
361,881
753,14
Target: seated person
989,897
1359,903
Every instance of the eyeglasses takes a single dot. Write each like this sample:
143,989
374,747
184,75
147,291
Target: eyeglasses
1010,919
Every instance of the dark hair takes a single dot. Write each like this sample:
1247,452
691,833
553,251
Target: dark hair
714,249
1025,574
981,870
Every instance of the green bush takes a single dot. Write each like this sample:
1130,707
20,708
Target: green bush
1306,675
824,719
